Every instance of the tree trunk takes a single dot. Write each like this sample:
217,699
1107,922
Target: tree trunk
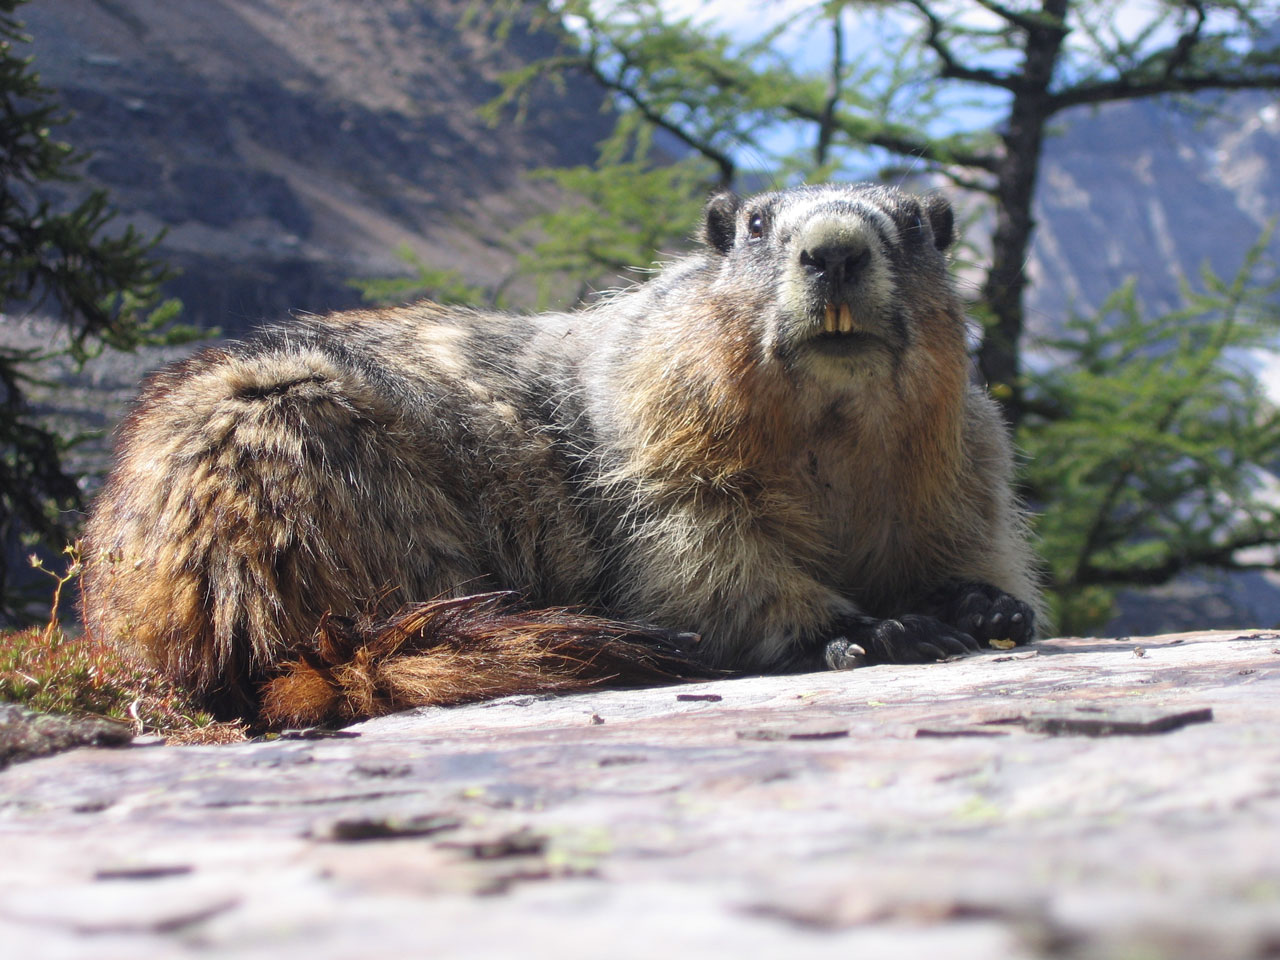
998,357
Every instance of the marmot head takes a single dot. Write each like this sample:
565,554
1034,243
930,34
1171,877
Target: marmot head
845,277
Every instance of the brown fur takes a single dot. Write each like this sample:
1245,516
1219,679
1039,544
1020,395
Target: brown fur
467,648
690,454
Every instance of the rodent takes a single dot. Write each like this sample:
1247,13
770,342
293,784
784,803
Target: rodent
768,457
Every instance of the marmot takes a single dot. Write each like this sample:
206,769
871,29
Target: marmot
768,457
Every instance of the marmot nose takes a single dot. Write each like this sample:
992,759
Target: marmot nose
837,264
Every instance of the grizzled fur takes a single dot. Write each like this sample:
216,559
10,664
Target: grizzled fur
774,445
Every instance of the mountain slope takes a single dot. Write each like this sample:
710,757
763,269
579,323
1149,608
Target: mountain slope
290,145
1154,191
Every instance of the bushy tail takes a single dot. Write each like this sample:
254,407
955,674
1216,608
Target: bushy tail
464,649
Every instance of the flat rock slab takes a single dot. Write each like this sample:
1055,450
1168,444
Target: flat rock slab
1079,798
25,735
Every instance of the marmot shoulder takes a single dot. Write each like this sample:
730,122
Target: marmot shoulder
768,457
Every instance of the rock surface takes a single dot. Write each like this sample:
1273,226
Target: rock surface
25,735
1080,798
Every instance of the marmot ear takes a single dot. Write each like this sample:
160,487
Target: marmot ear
718,221
938,209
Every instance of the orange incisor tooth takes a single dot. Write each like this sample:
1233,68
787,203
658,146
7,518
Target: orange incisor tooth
846,319
829,321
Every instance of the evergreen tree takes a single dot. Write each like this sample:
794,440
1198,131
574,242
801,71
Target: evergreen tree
99,281
1151,444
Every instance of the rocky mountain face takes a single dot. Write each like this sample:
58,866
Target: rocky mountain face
1152,190
288,146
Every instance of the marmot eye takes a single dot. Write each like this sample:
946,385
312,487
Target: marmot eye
755,226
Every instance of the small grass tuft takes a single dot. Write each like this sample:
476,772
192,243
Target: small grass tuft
50,671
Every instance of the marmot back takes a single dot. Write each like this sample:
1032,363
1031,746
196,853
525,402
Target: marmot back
768,457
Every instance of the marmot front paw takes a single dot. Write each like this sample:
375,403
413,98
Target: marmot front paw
908,639
985,612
